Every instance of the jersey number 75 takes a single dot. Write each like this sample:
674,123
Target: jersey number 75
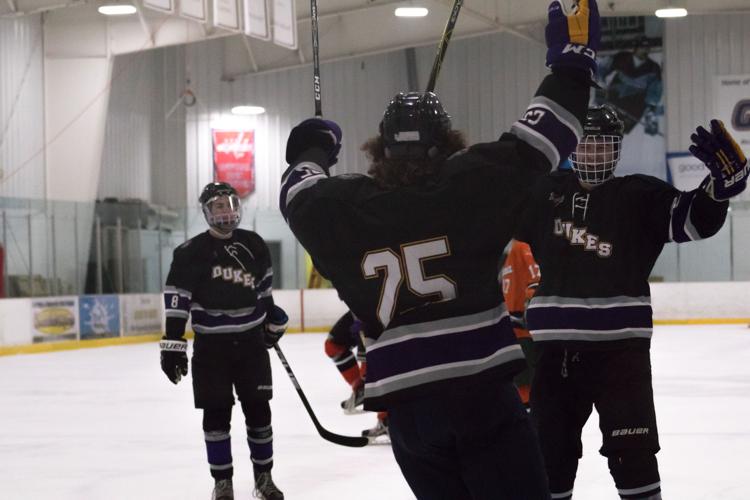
409,266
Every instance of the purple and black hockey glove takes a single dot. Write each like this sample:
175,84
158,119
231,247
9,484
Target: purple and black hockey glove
174,361
572,40
314,132
724,158
276,323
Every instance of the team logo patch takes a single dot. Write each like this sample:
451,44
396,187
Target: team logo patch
579,236
232,275
556,199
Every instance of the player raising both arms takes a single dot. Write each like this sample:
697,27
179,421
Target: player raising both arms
431,221
596,238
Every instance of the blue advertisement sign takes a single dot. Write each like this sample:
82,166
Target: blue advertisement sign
99,316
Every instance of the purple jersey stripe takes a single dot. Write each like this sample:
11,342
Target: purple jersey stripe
404,357
582,318
210,320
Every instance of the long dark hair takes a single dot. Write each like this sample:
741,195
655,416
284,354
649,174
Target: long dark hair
392,173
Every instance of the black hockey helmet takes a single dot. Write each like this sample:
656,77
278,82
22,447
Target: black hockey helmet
413,126
596,156
223,215
603,120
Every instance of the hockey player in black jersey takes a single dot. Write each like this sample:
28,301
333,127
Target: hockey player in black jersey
222,278
414,248
596,238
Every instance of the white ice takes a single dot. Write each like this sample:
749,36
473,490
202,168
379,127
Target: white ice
105,424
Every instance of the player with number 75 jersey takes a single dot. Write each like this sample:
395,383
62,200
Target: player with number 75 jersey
415,246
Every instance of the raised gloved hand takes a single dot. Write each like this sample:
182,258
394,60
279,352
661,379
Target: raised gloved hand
314,132
724,158
572,40
174,360
276,323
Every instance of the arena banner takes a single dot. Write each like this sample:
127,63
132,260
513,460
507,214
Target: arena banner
630,74
234,159
141,314
685,171
54,319
732,106
99,316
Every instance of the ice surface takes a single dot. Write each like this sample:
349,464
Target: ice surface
106,424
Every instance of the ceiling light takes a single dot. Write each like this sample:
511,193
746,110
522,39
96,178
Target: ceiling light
671,12
248,110
117,10
410,12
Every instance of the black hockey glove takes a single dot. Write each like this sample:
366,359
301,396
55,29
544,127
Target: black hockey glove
174,360
276,323
572,40
314,133
724,158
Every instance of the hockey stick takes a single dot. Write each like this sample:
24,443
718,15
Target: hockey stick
352,441
443,46
316,57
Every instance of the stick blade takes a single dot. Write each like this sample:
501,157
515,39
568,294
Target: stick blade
350,441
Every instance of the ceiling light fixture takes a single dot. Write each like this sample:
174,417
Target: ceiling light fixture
671,12
410,12
248,110
117,10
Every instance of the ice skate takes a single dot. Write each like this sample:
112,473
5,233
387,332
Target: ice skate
353,405
265,489
223,490
379,433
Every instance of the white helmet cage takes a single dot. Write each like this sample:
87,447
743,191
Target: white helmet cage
595,158
223,212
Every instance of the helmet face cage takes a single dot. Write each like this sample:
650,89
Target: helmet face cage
595,158
223,212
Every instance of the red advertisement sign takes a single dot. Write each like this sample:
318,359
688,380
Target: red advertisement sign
234,159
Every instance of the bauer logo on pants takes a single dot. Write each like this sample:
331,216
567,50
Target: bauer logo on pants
632,431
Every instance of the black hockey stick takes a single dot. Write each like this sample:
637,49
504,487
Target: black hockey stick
316,57
352,441
443,46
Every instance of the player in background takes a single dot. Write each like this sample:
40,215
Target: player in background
520,278
347,333
222,278
431,221
596,238
343,337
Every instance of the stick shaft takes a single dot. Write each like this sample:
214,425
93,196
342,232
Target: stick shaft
443,46
316,57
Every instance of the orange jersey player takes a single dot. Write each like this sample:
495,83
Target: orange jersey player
520,278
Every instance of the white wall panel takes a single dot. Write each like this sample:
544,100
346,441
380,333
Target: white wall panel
22,171
126,157
486,82
697,49
144,154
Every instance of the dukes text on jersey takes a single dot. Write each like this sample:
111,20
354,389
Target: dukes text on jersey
579,236
232,275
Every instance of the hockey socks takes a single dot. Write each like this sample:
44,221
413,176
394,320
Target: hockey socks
219,451
260,441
